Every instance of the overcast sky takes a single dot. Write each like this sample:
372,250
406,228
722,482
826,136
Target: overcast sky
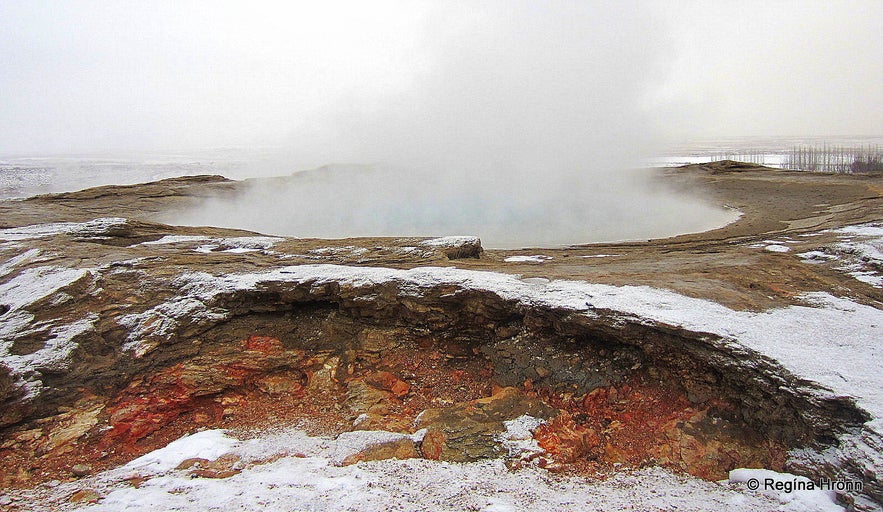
356,80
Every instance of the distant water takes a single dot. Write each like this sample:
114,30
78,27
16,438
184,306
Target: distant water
24,176
769,151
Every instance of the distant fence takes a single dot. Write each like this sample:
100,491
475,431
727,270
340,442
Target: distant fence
835,159
751,157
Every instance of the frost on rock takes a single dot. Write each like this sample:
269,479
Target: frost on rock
22,297
208,444
94,228
34,284
858,253
149,329
518,440
10,264
350,444
852,448
451,241
830,343
539,258
233,245
349,250
55,355
456,246
257,243
176,239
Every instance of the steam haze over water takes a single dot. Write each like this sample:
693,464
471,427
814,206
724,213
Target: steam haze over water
345,201
521,122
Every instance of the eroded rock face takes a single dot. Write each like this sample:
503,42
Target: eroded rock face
680,413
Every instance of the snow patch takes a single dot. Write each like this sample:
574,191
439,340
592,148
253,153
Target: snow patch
33,284
518,440
777,248
7,266
539,258
175,239
451,241
816,257
305,479
800,496
95,227
208,444
859,252
871,229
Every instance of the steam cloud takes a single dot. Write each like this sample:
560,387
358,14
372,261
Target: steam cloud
524,126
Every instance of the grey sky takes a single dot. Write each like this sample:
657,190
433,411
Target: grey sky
347,81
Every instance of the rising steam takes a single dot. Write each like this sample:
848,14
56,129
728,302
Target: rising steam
521,123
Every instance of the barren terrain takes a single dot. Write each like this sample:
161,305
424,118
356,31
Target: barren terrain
748,346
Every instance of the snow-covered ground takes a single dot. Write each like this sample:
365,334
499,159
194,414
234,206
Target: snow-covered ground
232,245
451,241
93,227
859,252
290,470
537,258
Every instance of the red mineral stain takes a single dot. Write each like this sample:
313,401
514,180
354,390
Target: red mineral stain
388,382
265,344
